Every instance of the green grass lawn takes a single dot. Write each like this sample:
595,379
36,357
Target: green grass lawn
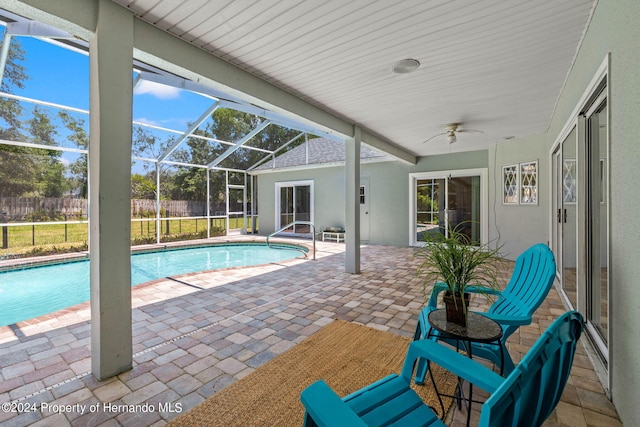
53,238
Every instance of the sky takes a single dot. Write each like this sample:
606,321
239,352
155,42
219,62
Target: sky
61,76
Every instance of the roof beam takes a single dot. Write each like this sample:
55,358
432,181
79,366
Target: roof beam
391,149
36,29
239,144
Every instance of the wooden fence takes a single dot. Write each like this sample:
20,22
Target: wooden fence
24,208
51,208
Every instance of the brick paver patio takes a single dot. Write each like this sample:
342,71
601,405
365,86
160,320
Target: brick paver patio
192,339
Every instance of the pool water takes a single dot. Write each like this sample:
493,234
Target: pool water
33,292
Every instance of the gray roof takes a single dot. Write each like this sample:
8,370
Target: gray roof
321,151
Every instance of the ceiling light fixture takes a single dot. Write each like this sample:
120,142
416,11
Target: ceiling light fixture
450,131
405,66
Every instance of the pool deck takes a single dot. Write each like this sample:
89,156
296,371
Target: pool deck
193,337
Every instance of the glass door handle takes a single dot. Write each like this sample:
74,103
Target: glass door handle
562,216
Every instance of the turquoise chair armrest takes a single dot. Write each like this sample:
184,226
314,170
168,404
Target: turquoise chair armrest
483,290
504,319
326,408
456,363
438,287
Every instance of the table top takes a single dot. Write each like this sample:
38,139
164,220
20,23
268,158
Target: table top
479,328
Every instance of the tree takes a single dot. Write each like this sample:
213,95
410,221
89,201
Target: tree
34,171
227,125
142,186
13,166
50,179
146,144
14,77
78,168
17,172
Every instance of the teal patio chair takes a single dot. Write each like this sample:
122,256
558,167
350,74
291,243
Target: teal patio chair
524,398
528,286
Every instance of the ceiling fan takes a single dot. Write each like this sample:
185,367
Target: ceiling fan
450,131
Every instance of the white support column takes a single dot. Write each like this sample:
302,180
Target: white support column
158,205
244,205
352,202
111,89
253,180
208,171
226,198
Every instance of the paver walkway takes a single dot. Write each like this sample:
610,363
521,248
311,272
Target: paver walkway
191,340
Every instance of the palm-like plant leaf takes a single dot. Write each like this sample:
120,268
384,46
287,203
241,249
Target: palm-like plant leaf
459,263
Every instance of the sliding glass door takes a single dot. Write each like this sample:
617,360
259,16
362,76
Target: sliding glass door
580,234
565,225
597,222
295,203
446,201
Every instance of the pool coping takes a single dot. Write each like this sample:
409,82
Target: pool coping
41,261
61,259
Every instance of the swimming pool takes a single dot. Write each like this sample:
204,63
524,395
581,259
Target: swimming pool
39,290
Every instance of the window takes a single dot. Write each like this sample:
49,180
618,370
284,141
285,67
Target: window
569,186
520,184
529,183
510,184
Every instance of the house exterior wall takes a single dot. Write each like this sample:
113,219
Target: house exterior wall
614,30
388,197
445,162
387,182
328,202
388,200
517,227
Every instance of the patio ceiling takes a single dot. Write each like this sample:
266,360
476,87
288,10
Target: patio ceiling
495,66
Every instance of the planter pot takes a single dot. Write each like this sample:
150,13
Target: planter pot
456,308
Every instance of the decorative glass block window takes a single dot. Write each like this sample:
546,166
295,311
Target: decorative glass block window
569,183
510,184
529,183
520,184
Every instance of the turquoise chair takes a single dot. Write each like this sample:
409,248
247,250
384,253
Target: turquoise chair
524,398
530,282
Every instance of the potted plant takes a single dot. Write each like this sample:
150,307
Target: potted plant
458,265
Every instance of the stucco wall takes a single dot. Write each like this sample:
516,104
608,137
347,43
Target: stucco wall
388,197
518,226
614,29
326,196
444,162
388,188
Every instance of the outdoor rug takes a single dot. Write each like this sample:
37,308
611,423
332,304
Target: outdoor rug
348,356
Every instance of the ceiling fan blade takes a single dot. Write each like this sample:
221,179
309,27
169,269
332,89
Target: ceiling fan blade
434,136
